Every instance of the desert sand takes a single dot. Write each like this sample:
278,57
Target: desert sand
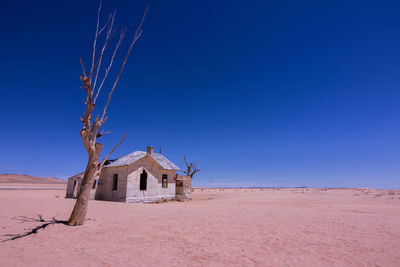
231,227
27,182
28,179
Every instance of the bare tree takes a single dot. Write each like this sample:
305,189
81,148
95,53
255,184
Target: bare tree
91,130
191,168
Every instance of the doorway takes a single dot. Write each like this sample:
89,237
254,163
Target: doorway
179,187
143,180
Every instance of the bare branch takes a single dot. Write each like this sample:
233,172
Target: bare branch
184,157
105,25
191,168
121,37
83,68
109,154
95,40
197,170
91,131
102,133
106,41
135,37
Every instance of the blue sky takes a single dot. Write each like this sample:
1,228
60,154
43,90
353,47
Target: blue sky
261,93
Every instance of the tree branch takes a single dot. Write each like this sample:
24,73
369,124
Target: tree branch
106,41
184,158
95,41
83,68
109,154
102,133
136,36
91,131
121,37
191,168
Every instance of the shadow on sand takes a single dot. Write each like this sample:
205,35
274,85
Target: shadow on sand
40,219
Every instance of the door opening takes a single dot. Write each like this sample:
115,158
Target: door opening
179,187
143,180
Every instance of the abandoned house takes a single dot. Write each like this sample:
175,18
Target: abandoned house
137,177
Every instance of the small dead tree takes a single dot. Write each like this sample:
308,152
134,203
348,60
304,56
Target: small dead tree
191,168
91,130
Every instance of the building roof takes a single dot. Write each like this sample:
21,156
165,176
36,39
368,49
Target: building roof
77,176
132,157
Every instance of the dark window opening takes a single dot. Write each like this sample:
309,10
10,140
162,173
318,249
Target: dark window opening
75,186
75,189
115,182
164,181
94,184
143,180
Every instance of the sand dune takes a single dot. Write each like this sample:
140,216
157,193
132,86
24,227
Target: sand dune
27,180
258,227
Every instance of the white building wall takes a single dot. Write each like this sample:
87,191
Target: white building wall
129,182
104,188
73,187
70,188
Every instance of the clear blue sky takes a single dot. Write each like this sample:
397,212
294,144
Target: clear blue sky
262,93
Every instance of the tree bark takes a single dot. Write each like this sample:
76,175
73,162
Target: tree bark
91,130
81,205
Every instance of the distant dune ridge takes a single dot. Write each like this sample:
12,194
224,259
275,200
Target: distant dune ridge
27,179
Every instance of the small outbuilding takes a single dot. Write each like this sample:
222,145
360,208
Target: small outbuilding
137,177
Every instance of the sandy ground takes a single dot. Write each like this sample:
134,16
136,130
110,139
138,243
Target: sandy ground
261,227
28,186
27,179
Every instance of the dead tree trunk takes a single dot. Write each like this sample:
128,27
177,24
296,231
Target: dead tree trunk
78,214
91,130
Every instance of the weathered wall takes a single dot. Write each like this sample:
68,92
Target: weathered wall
73,189
186,191
129,181
104,187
